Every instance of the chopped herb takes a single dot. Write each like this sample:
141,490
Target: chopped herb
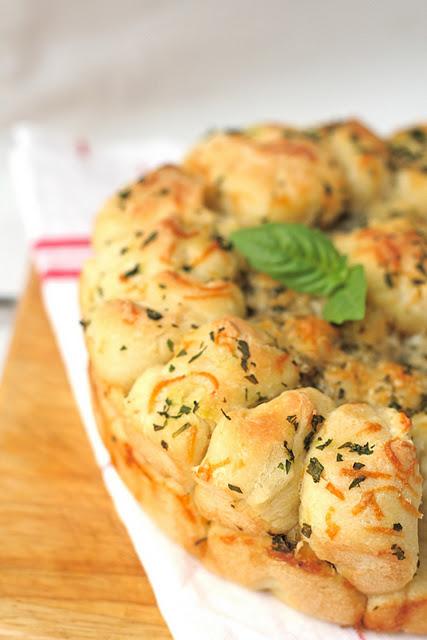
280,288
187,268
181,353
397,526
293,421
356,481
199,541
225,414
289,451
348,347
196,405
324,444
184,409
84,323
164,444
260,398
153,235
394,404
316,420
252,378
281,543
123,347
132,272
159,427
339,457
243,347
285,467
163,192
181,429
421,268
170,344
312,134
358,465
315,469
224,244
172,367
235,488
193,358
212,336
398,552
361,450
419,135
306,530
125,193
153,314
124,250
388,279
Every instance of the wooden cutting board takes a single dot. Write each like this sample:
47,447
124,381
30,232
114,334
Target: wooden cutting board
67,567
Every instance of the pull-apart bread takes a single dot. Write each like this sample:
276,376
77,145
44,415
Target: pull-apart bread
286,452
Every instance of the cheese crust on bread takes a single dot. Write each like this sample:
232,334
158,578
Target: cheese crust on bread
286,453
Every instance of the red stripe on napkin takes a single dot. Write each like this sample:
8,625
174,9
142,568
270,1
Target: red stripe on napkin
55,243
59,273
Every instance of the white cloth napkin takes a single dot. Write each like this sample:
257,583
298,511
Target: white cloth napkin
59,185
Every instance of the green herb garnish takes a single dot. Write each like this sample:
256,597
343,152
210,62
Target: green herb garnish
356,482
315,469
234,487
305,260
197,355
132,272
243,347
153,314
252,378
281,543
324,444
225,414
398,552
293,420
361,449
358,465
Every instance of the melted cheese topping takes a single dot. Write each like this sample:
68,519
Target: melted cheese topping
234,388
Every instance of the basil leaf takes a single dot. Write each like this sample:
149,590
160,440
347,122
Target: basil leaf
303,259
349,301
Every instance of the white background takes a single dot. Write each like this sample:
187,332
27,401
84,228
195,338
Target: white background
148,68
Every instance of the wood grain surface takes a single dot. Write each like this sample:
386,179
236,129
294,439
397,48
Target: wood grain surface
67,567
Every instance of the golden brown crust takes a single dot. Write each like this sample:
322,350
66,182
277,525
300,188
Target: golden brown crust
300,580
280,176
200,369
